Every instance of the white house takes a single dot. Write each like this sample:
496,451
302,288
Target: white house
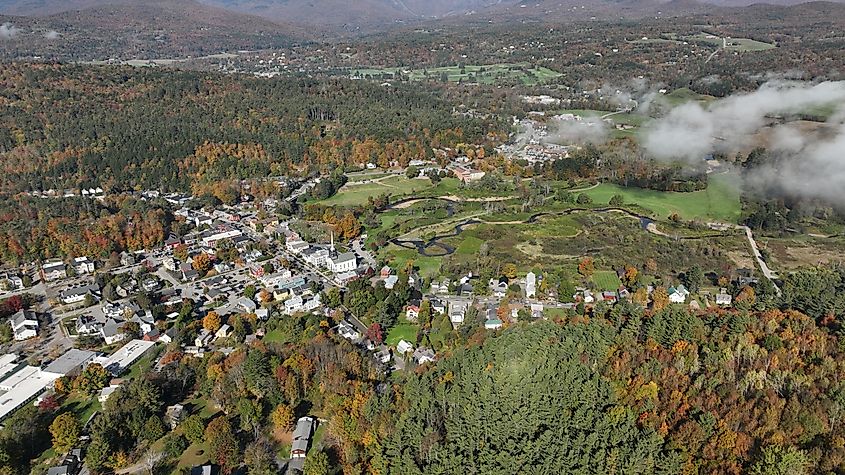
347,330
203,339
423,356
224,331
678,294
78,294
111,332
24,325
83,265
346,262
723,298
530,285
54,270
404,347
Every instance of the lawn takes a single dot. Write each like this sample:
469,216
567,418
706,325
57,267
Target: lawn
194,456
397,257
720,201
606,280
82,405
353,194
402,331
275,336
470,245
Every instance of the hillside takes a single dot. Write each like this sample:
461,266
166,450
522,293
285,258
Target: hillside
330,17
179,28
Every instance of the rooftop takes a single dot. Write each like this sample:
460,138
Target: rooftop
69,361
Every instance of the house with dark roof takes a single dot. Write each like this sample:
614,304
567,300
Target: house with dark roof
24,325
302,436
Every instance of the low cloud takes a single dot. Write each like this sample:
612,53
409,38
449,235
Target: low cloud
587,130
691,131
803,162
8,31
52,35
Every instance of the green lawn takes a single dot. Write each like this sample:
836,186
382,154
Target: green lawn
193,456
82,405
397,257
356,194
606,280
720,201
470,245
402,331
275,336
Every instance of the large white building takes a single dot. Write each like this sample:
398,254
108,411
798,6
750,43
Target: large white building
346,262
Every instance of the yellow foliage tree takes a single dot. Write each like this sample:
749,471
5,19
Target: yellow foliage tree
212,322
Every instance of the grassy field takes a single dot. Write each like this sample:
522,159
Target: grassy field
606,280
470,245
731,44
402,331
684,95
720,201
275,336
397,257
484,74
355,194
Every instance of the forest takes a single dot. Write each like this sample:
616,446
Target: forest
64,126
38,228
623,389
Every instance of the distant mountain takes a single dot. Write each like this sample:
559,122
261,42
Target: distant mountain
329,17
149,29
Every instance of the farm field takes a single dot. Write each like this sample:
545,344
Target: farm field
484,74
720,201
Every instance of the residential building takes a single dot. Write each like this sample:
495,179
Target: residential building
302,437
111,332
79,294
173,415
404,347
224,331
247,305
24,325
83,265
723,298
391,282
678,294
348,331
531,285
423,356
412,311
203,339
54,270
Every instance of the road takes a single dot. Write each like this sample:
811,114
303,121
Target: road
755,250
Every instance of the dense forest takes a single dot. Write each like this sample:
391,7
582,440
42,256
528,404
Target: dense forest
36,228
123,128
